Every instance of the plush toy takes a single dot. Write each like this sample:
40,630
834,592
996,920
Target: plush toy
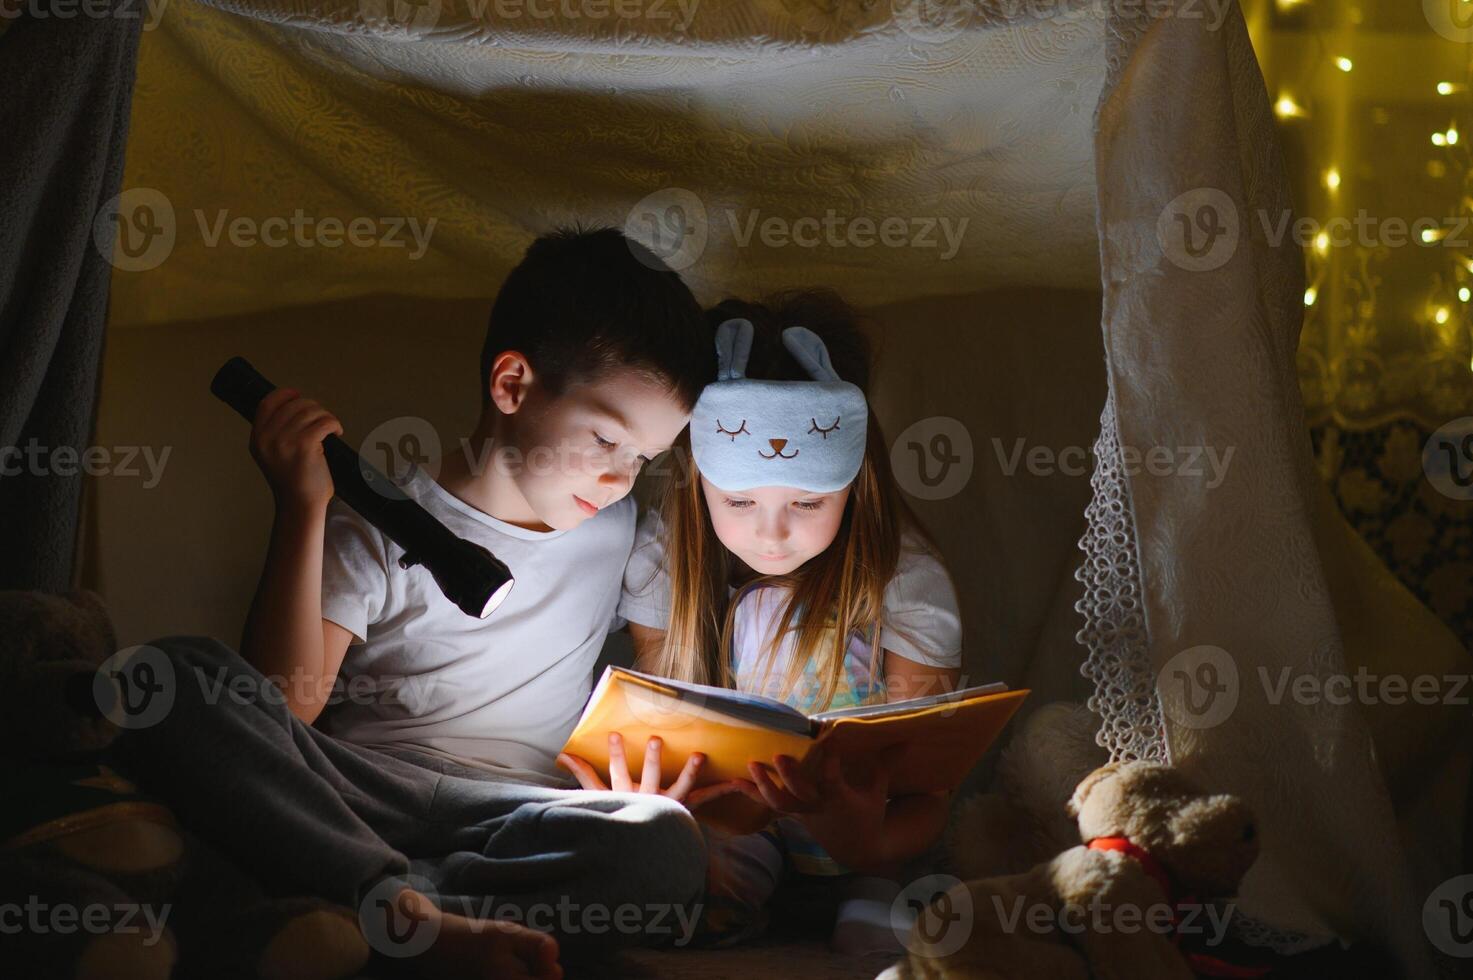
97,880
1138,900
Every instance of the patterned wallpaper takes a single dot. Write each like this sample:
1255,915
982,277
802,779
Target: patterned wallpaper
1424,536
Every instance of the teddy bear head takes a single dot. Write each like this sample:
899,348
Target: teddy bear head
1205,841
51,647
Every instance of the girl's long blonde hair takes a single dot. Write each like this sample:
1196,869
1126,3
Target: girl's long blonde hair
832,595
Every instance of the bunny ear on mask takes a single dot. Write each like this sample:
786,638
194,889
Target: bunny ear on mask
733,348
809,351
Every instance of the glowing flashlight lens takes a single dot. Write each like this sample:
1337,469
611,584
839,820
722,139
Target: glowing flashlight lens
498,597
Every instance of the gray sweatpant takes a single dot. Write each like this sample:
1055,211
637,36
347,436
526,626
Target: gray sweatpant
310,814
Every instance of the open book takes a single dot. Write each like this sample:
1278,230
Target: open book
939,738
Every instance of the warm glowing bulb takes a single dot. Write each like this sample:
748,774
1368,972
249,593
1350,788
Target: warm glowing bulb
1445,88
1310,295
1322,242
1442,314
1332,178
1465,294
1287,108
1439,139
1431,235
1344,64
1452,136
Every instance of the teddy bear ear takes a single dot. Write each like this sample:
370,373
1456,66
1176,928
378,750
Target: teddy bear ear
91,604
1088,783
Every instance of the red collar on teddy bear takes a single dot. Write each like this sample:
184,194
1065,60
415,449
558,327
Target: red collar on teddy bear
1201,963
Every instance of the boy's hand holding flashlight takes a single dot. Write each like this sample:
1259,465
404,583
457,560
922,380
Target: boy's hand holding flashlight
298,445
286,443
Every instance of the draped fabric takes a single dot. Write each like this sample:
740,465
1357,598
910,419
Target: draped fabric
68,87
1235,587
763,143
769,143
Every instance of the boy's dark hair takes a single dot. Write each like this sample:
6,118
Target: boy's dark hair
583,302
836,323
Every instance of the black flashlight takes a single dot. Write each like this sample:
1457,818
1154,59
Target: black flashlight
469,575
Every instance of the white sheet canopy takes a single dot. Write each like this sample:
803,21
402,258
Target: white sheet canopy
753,114
1073,146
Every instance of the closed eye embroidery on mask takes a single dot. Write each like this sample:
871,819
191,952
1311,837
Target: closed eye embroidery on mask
741,429
821,430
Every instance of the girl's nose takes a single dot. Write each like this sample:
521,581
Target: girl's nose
777,444
615,478
773,530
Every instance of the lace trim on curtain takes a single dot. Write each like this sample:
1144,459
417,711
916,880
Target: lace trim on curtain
1118,659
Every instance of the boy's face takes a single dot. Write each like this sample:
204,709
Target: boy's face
577,452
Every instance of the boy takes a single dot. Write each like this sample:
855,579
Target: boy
594,355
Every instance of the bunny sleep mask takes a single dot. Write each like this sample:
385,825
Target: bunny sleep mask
746,432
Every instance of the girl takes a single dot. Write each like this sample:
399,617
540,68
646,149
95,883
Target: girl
787,563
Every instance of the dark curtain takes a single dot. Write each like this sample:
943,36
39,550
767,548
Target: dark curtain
68,83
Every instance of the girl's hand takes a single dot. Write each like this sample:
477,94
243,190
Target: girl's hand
649,781
846,816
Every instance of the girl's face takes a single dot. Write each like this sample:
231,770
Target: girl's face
774,529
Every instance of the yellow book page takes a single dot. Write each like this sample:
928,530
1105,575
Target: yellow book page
938,745
637,709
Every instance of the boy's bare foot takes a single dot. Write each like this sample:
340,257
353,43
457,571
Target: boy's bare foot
444,944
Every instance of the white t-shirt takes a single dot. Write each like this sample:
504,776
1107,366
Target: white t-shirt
922,621
501,693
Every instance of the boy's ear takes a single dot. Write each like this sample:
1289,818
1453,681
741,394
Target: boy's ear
511,376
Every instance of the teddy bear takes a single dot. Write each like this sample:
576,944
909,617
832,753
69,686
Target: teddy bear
97,880
1157,855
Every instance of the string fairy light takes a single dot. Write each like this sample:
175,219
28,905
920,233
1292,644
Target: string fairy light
1287,108
1340,294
